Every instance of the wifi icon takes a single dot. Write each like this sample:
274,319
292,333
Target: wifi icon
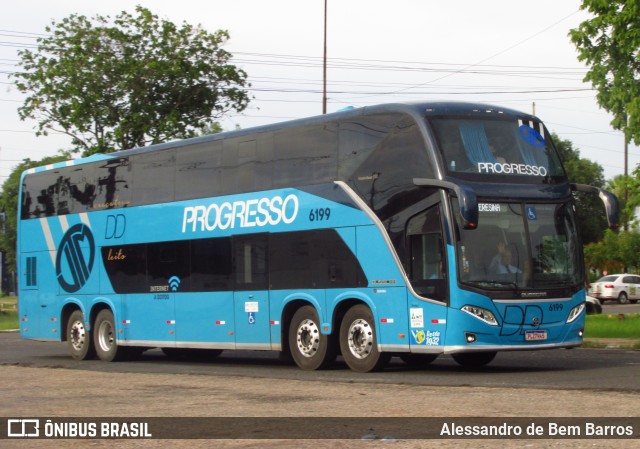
174,283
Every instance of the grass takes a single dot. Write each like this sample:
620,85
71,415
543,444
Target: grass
613,326
8,314
8,321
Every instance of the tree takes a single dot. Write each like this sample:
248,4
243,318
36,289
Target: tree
589,210
9,204
616,252
129,82
610,43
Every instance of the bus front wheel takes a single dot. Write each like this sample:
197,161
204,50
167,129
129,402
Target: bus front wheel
358,341
310,349
79,337
104,337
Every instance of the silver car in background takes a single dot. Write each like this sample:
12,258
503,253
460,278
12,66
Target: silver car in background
623,288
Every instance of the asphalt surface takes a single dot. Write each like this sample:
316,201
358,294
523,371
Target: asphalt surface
593,369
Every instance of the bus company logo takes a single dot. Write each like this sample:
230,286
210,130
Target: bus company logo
241,214
517,319
427,338
498,168
75,258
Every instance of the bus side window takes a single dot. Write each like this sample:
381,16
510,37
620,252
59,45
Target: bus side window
211,268
427,267
250,262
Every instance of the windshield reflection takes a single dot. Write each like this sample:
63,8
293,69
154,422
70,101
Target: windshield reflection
519,245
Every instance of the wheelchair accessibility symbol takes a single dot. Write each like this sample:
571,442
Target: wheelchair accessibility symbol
252,318
531,213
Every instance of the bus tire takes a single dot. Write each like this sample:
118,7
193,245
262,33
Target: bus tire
104,338
79,337
310,348
358,341
474,359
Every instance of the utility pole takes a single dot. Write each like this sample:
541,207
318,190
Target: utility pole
324,63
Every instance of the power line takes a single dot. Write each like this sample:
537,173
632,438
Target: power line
591,131
487,92
505,50
25,33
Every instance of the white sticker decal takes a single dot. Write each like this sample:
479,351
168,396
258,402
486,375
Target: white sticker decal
251,306
417,317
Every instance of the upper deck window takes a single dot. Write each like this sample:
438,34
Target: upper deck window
508,149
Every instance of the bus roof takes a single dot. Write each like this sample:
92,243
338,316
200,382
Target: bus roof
416,110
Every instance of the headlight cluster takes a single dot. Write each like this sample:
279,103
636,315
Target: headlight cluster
482,314
575,312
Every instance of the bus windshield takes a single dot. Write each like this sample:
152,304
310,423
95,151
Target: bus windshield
520,246
512,150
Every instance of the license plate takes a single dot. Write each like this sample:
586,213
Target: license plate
535,335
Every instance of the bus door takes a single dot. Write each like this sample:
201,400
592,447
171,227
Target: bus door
251,295
204,310
150,314
428,275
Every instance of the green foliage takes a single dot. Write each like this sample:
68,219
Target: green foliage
609,43
212,128
632,186
616,252
9,204
130,82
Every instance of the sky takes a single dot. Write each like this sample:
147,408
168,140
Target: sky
500,52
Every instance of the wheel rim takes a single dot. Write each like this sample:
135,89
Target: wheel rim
78,335
360,338
308,339
105,336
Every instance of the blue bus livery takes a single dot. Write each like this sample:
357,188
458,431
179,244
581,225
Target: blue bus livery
405,229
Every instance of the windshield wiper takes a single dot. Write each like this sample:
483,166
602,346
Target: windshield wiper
494,284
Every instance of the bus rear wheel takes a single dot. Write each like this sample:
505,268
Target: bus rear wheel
104,338
310,349
79,337
358,341
474,359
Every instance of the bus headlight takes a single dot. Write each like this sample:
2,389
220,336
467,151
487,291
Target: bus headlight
575,312
481,314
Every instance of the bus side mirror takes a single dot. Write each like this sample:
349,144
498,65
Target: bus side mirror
610,201
466,199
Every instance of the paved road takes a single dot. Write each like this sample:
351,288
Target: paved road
612,307
593,369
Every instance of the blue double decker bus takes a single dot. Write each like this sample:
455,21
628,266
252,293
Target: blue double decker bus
408,230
